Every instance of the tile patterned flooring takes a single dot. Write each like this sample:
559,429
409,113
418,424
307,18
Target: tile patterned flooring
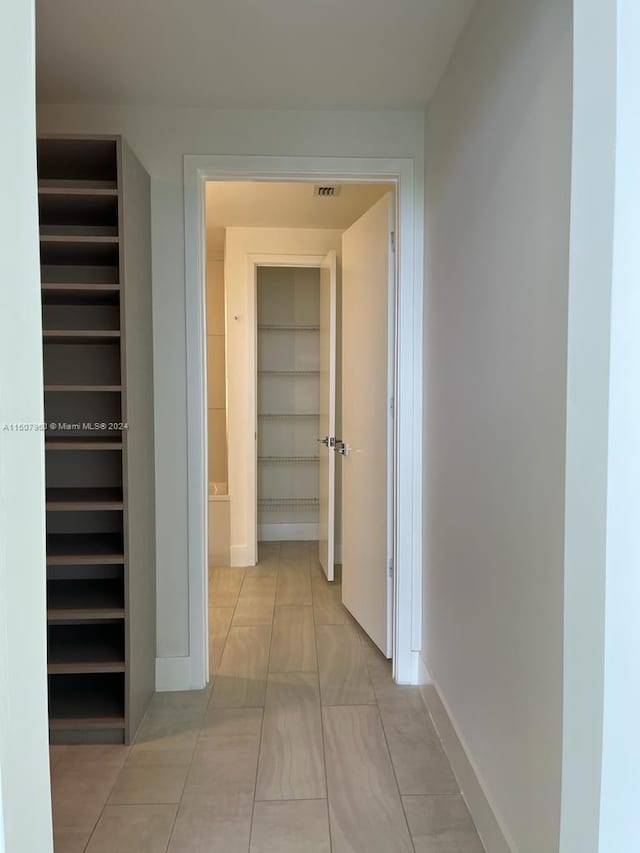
301,743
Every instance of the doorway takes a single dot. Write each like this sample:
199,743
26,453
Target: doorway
288,432
402,567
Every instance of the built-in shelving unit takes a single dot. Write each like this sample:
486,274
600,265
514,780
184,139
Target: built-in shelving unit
288,401
96,318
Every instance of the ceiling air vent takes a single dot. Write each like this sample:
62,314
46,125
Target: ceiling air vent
326,190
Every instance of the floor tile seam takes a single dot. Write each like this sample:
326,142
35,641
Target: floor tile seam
224,648
259,752
395,776
106,802
291,800
322,732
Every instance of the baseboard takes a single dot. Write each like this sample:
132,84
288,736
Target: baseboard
173,674
493,835
241,556
424,676
287,532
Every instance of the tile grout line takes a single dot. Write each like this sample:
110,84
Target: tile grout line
324,748
264,708
393,769
193,752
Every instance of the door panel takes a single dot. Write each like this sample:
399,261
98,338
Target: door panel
367,426
327,424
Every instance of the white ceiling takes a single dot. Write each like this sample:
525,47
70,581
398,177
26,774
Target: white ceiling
267,204
369,54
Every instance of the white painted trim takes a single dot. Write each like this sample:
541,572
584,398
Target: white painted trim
173,673
409,418
493,834
241,556
288,532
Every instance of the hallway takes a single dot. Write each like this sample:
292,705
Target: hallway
300,744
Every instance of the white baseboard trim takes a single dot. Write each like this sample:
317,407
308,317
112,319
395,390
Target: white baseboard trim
240,556
424,676
173,674
287,532
493,834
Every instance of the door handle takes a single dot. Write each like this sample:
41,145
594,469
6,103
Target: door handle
341,447
327,441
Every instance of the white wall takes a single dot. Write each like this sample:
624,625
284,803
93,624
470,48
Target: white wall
619,813
241,242
25,807
591,247
160,137
498,173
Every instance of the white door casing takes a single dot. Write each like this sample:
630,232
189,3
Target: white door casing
367,420
327,424
192,672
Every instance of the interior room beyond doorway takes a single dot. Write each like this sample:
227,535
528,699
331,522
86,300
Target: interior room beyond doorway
277,315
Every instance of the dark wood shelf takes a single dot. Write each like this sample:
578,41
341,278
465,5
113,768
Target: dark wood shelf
84,336
85,600
66,724
77,287
65,389
79,442
83,499
80,293
80,187
78,238
84,548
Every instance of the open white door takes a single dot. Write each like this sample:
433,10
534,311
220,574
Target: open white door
327,424
368,271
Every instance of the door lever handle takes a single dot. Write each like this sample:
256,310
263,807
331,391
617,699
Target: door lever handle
341,447
327,441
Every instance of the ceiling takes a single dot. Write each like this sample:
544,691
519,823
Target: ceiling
368,54
272,204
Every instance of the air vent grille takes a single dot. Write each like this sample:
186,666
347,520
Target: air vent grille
326,190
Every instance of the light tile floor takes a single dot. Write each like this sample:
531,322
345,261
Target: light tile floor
301,743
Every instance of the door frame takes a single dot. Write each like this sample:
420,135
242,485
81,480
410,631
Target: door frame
408,425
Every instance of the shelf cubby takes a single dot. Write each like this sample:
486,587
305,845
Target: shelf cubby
70,318
82,364
82,212
86,599
93,198
87,707
86,647
84,548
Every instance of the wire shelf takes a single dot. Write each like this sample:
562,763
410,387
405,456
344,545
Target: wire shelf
273,327
296,504
289,373
283,416
288,460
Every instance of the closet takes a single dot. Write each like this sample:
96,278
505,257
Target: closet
288,303
99,449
